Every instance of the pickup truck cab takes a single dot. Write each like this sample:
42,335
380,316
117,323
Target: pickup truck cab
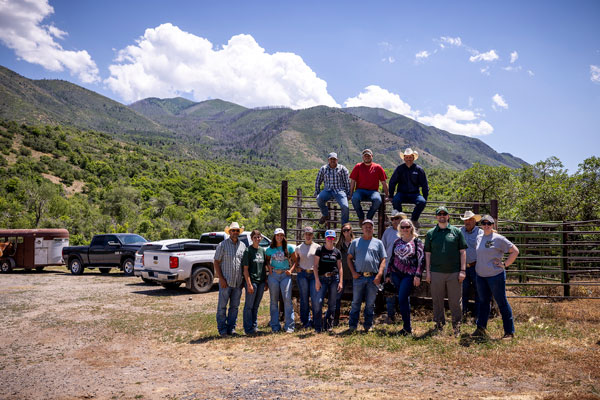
115,250
176,261
218,237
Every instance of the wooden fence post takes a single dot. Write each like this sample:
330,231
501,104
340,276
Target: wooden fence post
299,215
494,211
564,261
284,205
381,220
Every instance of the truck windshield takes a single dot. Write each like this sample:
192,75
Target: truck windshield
131,239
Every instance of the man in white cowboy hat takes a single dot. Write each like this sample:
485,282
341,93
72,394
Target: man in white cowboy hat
410,179
470,231
390,235
336,184
228,268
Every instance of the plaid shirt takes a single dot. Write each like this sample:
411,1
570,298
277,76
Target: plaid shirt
336,179
230,255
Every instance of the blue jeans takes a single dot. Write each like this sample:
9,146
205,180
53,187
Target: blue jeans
281,283
390,306
363,288
305,281
328,289
340,197
469,282
226,320
251,307
404,284
494,286
366,195
411,198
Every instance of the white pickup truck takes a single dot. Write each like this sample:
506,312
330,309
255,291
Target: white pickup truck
176,261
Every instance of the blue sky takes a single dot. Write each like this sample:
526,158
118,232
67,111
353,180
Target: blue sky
524,77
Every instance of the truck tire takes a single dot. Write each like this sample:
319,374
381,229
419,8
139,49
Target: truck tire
170,285
201,280
39,269
6,266
127,266
76,266
104,270
149,281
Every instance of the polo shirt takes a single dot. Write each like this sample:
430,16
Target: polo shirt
368,176
444,246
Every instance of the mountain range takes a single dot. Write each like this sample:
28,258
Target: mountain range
296,139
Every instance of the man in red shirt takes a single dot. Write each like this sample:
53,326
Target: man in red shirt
364,185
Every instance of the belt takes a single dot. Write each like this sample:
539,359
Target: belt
308,271
469,265
329,274
279,271
367,274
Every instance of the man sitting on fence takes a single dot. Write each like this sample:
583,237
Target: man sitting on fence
337,185
409,177
364,185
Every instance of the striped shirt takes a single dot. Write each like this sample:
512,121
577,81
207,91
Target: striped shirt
336,179
230,256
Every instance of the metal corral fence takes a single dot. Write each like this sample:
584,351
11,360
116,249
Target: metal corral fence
556,260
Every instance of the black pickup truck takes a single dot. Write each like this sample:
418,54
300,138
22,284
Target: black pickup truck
105,252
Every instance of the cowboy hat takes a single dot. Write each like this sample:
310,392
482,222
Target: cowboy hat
234,225
469,214
409,152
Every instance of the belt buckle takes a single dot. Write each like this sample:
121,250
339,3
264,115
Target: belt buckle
367,274
308,271
328,274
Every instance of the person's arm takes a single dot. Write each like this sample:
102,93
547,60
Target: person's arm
222,281
425,185
341,276
379,275
268,264
352,187
420,262
346,180
393,183
427,267
316,273
355,274
318,181
463,265
292,261
385,189
513,253
249,286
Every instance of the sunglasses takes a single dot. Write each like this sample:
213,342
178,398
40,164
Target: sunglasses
486,223
443,214
234,230
346,230
405,226
395,218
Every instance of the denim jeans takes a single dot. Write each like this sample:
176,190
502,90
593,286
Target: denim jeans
494,286
469,282
338,301
411,198
226,319
404,284
328,289
366,195
281,283
305,281
251,307
340,197
390,306
363,288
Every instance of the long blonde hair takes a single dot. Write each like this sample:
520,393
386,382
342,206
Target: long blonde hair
413,230
341,240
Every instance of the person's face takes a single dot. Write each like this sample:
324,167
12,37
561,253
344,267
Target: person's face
256,239
470,224
330,240
347,232
234,234
409,160
367,229
308,236
367,158
487,227
333,162
442,217
395,222
279,238
405,228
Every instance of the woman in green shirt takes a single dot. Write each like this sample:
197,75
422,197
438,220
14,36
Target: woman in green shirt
255,276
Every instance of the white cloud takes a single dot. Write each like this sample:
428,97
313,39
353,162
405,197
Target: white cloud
499,102
514,56
530,72
167,62
595,73
489,56
452,122
375,96
422,54
389,59
451,41
512,68
485,70
21,30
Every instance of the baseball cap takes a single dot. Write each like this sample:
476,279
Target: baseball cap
329,233
332,155
279,230
368,221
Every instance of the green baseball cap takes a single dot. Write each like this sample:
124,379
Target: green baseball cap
440,209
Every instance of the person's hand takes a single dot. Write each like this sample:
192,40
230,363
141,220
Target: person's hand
388,279
266,288
223,283
416,281
427,277
499,264
461,276
250,288
355,275
377,280
318,285
288,272
340,287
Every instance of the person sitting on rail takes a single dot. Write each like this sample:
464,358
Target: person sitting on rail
410,178
336,185
364,185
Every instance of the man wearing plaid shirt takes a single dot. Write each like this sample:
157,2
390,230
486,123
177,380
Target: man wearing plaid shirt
337,185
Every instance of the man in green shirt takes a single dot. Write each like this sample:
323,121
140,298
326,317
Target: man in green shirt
445,264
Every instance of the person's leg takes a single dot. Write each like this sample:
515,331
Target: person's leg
331,292
390,306
438,292
316,298
498,287
322,199
420,204
342,200
356,199
454,298
286,292
358,292
234,305
375,199
222,310
249,308
304,293
405,285
258,295
273,282
338,305
485,297
397,201
467,284
371,295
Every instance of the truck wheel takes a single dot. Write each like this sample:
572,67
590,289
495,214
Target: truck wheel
170,285
104,270
202,280
127,266
5,266
75,266
149,281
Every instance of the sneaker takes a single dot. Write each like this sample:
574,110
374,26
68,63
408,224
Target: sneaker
438,328
336,322
289,331
390,321
479,332
323,219
508,336
366,330
404,332
224,334
233,333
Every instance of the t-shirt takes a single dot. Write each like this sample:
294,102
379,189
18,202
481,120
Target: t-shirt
306,252
444,246
255,260
278,259
490,249
328,260
390,235
368,176
367,254
471,239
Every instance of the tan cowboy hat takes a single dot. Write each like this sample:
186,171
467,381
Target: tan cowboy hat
409,152
234,225
469,214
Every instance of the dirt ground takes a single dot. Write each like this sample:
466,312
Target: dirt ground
114,337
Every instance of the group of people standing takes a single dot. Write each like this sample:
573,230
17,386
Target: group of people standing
452,260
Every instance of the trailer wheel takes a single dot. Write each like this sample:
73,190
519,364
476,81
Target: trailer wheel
75,266
202,280
104,270
6,266
127,266
170,285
